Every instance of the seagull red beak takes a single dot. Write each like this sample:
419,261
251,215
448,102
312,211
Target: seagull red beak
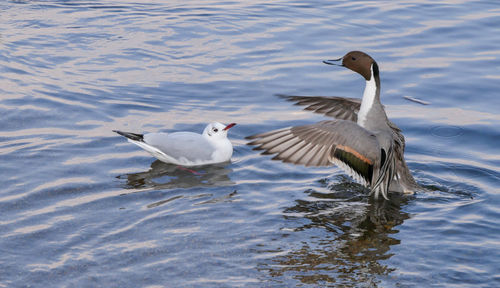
229,126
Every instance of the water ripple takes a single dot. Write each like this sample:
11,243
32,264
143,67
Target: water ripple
80,206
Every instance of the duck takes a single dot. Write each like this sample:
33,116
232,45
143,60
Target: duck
187,148
361,139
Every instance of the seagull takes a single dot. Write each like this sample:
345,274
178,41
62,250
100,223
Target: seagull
187,148
361,140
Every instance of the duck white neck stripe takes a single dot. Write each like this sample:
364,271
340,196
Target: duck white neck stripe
368,99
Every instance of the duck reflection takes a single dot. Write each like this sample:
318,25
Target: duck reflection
344,241
167,176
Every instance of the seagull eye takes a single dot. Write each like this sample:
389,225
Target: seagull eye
216,130
353,58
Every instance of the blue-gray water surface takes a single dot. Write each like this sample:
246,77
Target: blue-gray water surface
82,207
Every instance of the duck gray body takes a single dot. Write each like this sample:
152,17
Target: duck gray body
361,140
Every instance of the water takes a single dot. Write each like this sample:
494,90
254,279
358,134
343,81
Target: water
81,207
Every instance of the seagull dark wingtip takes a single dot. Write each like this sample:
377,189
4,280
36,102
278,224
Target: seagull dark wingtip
132,136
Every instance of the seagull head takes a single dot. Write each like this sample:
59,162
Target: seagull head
216,130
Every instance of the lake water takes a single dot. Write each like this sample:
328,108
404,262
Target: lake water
81,207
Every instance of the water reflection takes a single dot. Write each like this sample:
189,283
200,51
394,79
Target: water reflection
344,240
166,176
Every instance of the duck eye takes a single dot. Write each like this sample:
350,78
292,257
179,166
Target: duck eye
353,58
216,130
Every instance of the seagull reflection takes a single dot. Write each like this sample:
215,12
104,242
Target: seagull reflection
345,235
167,176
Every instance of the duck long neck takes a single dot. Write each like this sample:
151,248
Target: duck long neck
371,97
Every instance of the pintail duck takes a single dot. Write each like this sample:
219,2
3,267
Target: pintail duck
361,140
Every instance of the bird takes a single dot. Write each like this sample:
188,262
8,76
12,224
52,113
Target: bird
361,139
187,148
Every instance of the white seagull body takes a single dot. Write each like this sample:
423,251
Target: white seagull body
187,148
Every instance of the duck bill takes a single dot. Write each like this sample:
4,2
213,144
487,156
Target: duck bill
229,126
336,62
